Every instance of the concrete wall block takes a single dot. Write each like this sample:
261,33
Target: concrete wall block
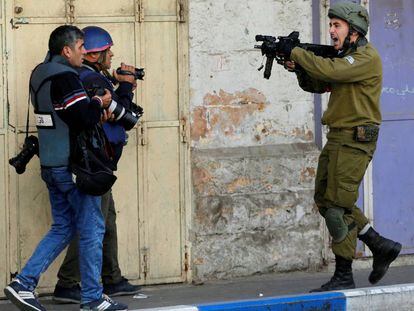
223,66
257,251
254,170
235,214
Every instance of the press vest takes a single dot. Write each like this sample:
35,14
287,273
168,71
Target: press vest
54,140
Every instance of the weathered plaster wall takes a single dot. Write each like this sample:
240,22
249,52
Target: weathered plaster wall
253,152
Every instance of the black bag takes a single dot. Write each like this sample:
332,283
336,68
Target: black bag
91,162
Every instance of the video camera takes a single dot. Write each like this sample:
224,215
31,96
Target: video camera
138,74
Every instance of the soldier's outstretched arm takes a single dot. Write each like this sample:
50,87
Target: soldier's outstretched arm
353,68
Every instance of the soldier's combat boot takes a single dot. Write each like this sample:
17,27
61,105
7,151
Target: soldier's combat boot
342,278
384,252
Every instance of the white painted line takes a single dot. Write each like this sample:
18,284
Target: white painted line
395,297
391,289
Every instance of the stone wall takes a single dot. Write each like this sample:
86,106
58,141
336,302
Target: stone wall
253,152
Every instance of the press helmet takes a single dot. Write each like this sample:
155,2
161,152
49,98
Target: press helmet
96,39
354,14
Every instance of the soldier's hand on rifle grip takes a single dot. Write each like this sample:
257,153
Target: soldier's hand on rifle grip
289,65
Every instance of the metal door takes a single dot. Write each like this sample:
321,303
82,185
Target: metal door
150,193
393,169
3,157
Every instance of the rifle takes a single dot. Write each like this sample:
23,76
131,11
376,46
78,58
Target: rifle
272,46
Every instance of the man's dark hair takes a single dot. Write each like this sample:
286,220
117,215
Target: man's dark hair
65,35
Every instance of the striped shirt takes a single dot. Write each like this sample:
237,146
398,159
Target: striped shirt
72,104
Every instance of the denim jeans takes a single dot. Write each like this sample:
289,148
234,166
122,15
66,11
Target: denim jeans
72,212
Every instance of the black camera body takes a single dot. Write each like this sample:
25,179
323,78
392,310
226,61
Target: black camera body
138,74
30,148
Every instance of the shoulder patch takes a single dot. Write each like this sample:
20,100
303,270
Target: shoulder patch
350,59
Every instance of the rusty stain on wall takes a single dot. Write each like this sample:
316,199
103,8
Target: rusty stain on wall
237,184
224,112
307,174
199,124
201,177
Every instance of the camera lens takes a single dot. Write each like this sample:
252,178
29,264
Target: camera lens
117,110
127,118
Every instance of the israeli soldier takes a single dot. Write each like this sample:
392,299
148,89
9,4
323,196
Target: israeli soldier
353,117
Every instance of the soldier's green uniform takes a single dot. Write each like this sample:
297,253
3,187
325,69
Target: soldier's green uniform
353,117
355,82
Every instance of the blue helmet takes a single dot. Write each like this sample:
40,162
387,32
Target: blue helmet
96,39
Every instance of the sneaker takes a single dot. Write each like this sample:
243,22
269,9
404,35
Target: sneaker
105,303
22,297
67,294
123,287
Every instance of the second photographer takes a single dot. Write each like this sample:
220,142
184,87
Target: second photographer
124,114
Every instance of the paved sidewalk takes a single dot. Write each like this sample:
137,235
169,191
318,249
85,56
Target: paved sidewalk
248,288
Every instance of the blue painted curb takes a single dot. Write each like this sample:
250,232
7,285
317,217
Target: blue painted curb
361,299
334,301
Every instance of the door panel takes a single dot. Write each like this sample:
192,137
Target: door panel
23,63
3,212
40,8
4,215
162,71
125,192
164,215
107,8
163,8
394,183
2,88
393,168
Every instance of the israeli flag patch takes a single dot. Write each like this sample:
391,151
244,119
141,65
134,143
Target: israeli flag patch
350,59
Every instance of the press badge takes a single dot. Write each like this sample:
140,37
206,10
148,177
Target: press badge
350,59
44,120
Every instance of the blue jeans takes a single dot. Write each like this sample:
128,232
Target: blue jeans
72,212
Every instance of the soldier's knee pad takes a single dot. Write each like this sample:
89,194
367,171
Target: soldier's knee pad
338,229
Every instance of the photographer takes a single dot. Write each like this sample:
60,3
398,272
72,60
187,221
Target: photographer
94,75
353,116
63,114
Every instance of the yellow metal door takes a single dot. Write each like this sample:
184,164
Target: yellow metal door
3,158
151,192
163,46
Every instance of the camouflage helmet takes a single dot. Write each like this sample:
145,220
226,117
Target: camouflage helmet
354,14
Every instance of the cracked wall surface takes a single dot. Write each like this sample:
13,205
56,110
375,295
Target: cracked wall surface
253,153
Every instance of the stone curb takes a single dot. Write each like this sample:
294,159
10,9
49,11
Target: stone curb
396,297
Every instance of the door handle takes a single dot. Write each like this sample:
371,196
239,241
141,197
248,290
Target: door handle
18,21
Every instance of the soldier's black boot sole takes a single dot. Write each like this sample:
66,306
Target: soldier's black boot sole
333,286
382,261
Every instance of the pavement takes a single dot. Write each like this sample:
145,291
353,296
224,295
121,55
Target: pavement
393,292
